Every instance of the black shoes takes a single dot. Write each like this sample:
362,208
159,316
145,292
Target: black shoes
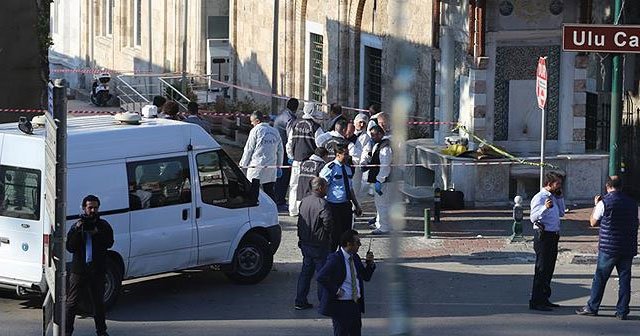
621,317
551,304
303,306
586,312
540,307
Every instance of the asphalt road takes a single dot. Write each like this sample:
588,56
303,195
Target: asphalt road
461,297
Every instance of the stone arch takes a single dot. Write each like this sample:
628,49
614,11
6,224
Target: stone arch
355,22
300,19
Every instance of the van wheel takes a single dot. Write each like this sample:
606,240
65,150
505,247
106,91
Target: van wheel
252,261
112,283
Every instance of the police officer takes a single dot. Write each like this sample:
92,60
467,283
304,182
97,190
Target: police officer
378,153
283,123
334,139
309,169
263,152
340,194
302,142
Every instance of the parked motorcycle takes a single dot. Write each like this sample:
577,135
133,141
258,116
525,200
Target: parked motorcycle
100,95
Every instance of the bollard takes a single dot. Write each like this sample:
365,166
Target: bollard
436,205
517,220
427,223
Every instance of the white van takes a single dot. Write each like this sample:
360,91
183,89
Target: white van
174,198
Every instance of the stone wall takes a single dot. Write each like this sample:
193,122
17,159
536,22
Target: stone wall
344,25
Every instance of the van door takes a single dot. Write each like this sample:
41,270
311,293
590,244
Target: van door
21,228
222,199
163,233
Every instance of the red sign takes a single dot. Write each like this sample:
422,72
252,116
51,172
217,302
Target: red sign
541,82
601,38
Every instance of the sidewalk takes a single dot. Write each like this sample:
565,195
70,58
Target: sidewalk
481,234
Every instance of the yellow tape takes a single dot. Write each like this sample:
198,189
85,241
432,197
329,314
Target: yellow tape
500,151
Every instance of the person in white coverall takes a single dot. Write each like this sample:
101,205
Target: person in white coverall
360,139
263,153
379,154
302,142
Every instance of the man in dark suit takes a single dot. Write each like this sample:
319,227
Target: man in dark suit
88,240
341,282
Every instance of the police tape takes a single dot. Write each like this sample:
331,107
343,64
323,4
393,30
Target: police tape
425,165
69,111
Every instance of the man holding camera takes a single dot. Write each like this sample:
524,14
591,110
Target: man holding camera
88,241
547,206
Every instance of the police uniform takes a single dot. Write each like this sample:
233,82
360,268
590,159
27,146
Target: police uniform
308,170
300,146
380,156
331,141
339,196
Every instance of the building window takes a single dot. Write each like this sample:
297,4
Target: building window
218,27
372,76
137,26
315,67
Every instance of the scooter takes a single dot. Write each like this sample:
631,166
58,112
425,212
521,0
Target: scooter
100,95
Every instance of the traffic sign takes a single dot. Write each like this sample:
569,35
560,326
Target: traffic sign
541,82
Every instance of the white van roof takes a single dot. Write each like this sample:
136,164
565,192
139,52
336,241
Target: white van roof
100,138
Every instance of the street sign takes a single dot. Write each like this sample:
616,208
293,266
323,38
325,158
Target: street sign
541,82
601,38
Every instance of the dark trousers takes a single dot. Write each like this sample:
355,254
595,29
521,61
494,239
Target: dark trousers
282,183
342,221
89,284
545,244
606,263
347,320
270,190
313,258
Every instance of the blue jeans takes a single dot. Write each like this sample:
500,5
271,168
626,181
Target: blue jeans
313,258
606,263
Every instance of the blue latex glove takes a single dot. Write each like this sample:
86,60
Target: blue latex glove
378,188
290,161
279,173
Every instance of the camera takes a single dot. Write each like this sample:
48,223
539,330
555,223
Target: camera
88,224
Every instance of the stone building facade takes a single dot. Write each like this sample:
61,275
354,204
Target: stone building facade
331,51
134,35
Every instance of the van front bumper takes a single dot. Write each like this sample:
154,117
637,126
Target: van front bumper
275,237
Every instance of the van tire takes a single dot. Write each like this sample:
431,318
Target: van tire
252,260
112,282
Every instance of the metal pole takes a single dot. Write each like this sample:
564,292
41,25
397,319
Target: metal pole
616,102
427,223
274,62
543,134
59,234
184,49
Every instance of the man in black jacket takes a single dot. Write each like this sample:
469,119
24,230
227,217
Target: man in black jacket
315,224
88,240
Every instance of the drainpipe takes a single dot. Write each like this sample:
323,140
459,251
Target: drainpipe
435,40
447,76
274,62
479,31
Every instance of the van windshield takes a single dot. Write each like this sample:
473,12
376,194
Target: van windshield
20,192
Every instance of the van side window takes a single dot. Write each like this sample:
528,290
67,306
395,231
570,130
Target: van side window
221,181
19,192
158,183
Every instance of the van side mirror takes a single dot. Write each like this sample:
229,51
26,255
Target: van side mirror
254,191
